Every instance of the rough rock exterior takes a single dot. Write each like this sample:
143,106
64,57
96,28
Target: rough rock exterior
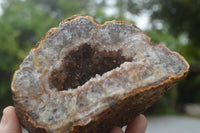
84,77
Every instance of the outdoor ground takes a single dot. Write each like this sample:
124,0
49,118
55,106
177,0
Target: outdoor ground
173,124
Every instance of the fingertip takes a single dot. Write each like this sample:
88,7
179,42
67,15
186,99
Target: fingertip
9,110
12,123
9,113
139,125
6,114
142,118
116,130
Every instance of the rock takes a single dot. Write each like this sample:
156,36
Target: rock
87,77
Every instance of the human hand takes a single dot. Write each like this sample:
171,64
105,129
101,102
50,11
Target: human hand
10,124
9,121
139,125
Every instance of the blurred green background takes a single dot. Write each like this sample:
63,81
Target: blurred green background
174,23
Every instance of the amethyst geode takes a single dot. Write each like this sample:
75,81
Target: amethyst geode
84,77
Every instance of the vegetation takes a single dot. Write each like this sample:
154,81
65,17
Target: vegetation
173,23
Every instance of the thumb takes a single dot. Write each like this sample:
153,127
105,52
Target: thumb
9,121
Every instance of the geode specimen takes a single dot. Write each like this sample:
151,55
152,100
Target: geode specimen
84,77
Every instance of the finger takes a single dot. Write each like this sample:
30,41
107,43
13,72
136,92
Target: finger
116,130
9,122
139,125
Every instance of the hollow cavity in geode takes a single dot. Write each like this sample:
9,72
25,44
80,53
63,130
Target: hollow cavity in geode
82,64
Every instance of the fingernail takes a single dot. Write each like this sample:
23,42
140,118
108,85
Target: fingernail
4,120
